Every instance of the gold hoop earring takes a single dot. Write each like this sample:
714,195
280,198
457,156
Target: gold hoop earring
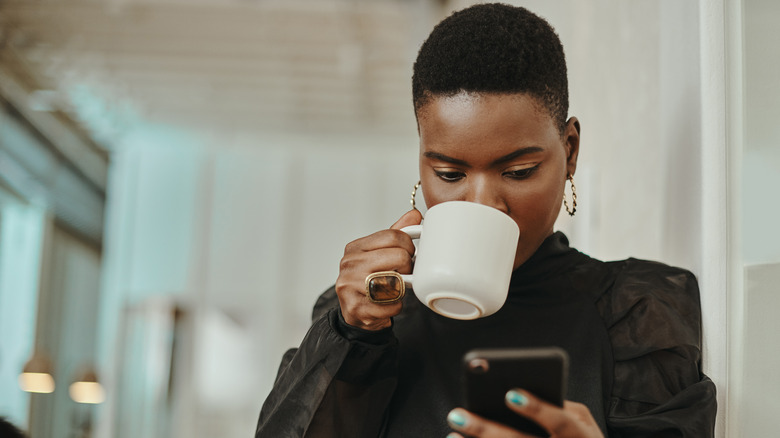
414,194
573,197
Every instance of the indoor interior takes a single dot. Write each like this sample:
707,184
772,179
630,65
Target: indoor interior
178,179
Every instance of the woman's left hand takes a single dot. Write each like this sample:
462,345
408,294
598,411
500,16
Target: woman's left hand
574,420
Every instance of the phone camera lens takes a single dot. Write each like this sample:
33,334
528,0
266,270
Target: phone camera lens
479,366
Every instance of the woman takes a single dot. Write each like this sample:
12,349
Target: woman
490,95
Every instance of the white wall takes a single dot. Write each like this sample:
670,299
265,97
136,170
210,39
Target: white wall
634,85
757,367
245,232
761,162
759,406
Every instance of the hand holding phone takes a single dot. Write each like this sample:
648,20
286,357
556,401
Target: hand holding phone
489,373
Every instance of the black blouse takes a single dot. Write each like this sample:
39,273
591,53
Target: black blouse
632,330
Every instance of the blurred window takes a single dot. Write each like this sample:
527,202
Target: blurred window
21,238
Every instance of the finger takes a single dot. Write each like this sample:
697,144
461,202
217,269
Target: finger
358,311
411,217
360,308
379,240
353,288
356,266
476,426
550,417
579,410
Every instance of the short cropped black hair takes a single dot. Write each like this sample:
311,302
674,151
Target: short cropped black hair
493,48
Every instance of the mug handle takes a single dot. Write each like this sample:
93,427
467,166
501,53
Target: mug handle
414,231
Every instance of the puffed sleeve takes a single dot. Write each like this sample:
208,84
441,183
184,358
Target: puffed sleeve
337,383
653,317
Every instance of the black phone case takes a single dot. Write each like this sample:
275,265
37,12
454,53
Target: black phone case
490,373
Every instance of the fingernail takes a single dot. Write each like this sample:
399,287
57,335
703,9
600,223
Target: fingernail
456,419
453,435
516,398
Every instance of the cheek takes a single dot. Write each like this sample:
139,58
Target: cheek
435,191
536,209
535,213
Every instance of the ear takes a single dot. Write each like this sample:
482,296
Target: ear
571,139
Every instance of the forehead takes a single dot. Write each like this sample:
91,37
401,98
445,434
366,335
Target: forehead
485,120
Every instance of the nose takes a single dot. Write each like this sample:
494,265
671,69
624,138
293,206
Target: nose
483,191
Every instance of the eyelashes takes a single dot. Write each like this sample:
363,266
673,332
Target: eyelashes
449,175
456,175
521,173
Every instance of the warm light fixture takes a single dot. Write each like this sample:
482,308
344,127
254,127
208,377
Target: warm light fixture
36,375
87,388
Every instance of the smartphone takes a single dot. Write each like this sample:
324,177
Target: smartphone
489,373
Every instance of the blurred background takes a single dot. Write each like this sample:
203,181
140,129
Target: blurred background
178,179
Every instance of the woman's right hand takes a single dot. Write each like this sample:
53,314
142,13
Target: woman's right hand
386,250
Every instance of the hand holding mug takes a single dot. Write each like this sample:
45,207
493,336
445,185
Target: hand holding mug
463,265
386,250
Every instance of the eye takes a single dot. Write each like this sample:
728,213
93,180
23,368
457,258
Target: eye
450,175
521,173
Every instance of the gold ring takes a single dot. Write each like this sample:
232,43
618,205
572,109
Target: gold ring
385,287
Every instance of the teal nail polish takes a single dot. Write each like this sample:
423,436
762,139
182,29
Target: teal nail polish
516,398
456,419
453,435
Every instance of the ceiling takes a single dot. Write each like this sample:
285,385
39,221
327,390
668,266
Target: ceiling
295,65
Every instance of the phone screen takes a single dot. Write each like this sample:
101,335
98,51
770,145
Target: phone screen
490,373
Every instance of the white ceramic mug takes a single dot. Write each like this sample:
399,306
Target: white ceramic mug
464,259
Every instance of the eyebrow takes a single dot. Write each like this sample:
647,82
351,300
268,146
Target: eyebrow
508,157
